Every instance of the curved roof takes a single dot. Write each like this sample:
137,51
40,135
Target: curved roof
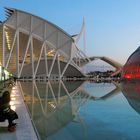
11,11
40,29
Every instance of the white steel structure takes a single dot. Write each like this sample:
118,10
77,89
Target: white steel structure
32,47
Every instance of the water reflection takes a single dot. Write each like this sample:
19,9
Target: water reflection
115,91
53,105
131,91
50,104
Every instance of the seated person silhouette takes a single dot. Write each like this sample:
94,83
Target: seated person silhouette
6,113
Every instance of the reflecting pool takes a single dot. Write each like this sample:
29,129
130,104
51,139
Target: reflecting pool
84,110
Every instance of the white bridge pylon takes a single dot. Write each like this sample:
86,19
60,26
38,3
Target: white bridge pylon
108,60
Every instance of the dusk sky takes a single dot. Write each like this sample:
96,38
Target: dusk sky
112,26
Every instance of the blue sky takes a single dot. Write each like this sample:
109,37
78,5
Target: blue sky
112,26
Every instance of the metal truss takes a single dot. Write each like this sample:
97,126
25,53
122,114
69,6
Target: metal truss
51,38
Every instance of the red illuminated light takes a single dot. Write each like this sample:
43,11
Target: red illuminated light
131,71
127,76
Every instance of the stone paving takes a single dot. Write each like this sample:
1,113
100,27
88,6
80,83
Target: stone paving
24,130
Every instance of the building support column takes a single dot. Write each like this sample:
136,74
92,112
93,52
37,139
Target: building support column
32,57
59,67
65,68
42,48
27,47
17,54
11,50
52,64
46,60
3,46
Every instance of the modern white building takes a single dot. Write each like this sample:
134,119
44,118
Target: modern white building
32,47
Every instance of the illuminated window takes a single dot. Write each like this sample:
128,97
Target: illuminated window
4,74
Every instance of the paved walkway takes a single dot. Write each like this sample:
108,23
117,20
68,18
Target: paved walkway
24,130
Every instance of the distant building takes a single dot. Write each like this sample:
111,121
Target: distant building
132,67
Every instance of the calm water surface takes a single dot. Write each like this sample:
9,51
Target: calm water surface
84,111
